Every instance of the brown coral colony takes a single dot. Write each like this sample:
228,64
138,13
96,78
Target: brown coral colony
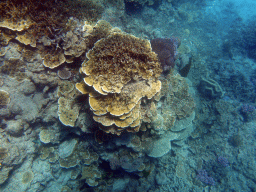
122,69
118,59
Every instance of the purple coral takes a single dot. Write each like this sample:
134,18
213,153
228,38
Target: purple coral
166,50
247,108
223,161
203,177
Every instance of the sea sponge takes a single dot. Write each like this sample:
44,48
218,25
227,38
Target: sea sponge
4,98
118,59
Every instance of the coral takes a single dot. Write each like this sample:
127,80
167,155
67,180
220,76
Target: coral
174,122
246,38
3,153
125,102
15,127
27,177
67,112
179,100
128,161
64,74
91,174
66,189
76,154
4,98
166,50
74,45
19,25
68,109
5,37
14,68
235,140
247,108
46,136
71,161
131,164
210,88
122,70
89,157
53,60
185,66
223,161
101,30
116,60
160,146
45,152
27,39
65,88
2,51
4,174
67,147
203,177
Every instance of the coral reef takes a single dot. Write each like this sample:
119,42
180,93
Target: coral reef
89,107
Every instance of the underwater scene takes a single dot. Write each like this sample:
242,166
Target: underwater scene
127,96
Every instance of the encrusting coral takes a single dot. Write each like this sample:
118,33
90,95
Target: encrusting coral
68,110
121,69
4,98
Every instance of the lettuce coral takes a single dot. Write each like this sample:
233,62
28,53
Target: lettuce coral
122,69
